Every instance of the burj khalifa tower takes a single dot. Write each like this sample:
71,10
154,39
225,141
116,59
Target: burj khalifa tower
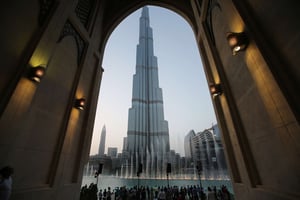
148,133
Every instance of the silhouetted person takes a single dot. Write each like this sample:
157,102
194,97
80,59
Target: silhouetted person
5,182
108,196
225,193
211,195
100,195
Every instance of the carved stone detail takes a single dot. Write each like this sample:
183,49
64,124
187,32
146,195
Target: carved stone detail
84,10
211,5
45,7
69,30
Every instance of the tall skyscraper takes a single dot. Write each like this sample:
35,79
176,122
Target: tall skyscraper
148,132
102,142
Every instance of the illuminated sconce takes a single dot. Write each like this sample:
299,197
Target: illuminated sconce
79,103
215,89
237,41
36,73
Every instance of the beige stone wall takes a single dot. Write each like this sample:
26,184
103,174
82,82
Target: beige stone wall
19,19
263,132
43,136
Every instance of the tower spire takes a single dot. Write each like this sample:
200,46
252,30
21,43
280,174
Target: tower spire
145,12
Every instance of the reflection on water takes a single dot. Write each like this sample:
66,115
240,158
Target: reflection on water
113,182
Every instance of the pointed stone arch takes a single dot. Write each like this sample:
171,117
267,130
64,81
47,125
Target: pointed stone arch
112,19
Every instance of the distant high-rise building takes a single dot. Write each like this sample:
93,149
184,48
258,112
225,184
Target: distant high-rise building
124,143
102,142
112,152
148,132
188,144
206,150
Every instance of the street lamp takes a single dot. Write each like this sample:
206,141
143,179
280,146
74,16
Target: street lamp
199,169
140,170
168,171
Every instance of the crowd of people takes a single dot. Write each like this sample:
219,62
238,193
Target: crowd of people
155,193
134,193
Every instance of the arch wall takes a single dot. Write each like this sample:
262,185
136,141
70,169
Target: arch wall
47,140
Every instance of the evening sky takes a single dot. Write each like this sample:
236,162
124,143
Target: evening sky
187,103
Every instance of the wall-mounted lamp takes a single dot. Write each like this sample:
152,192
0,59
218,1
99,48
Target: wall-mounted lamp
237,41
36,73
215,89
80,103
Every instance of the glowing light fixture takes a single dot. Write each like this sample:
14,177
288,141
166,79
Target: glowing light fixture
80,103
215,89
36,73
237,41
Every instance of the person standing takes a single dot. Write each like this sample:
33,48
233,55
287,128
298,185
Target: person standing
211,195
100,195
108,194
5,182
162,194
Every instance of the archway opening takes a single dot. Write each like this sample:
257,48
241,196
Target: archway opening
187,101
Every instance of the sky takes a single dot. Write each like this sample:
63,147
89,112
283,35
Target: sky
187,102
